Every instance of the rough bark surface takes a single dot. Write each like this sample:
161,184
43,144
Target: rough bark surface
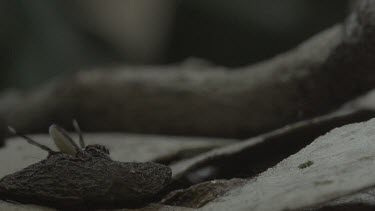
261,152
198,195
343,164
63,180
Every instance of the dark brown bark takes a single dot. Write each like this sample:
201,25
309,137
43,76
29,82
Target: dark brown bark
66,181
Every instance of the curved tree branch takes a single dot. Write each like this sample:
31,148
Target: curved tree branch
312,79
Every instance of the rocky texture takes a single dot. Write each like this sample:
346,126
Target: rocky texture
198,195
18,154
343,164
69,181
123,147
274,141
158,207
13,206
266,150
261,152
360,201
285,141
312,79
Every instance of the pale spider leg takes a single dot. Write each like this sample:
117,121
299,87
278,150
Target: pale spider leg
66,135
78,130
31,141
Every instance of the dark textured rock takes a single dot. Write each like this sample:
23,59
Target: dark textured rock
64,180
198,195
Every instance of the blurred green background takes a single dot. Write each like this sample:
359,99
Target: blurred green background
44,39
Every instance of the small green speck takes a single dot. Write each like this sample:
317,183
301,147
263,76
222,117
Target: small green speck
306,164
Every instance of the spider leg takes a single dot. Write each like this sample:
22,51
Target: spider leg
78,130
31,141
